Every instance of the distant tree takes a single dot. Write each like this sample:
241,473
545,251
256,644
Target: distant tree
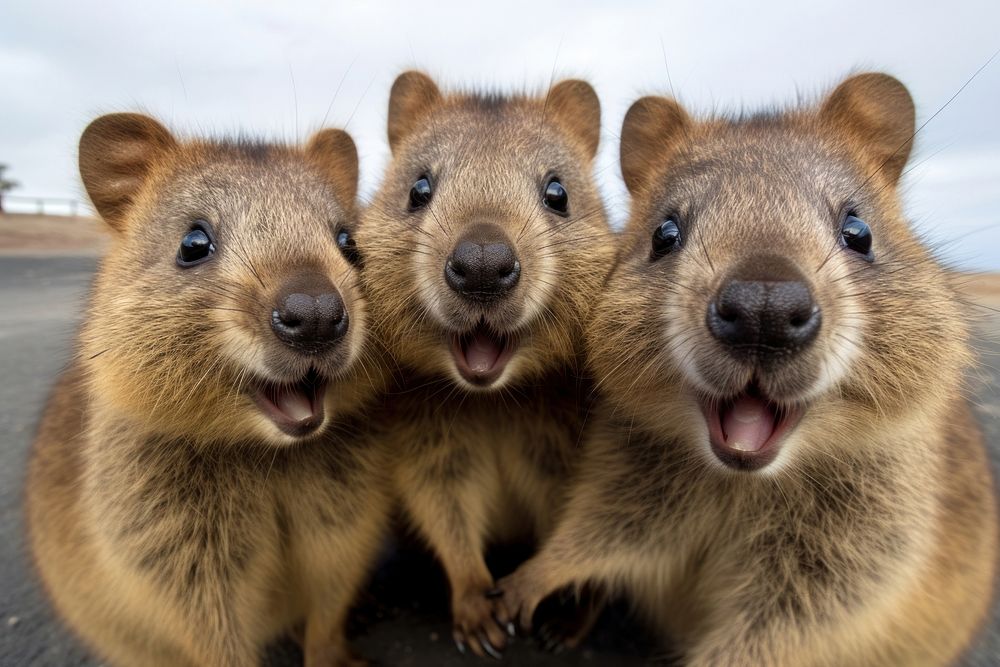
6,185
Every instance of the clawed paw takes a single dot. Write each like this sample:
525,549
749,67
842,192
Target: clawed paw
477,629
514,602
565,620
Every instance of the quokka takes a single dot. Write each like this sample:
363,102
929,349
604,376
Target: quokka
201,482
485,245
784,469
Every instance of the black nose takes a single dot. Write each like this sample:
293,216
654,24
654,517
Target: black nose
764,320
482,269
309,315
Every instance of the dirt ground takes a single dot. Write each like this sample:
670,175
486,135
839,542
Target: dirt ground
28,234
983,289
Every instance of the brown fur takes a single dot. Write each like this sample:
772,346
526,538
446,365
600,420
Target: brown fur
171,521
480,465
872,538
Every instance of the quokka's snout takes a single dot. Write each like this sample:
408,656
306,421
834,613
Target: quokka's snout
309,315
764,312
483,267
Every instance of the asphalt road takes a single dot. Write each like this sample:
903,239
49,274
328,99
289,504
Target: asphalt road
403,618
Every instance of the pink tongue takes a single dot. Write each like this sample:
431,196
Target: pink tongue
295,404
482,353
747,424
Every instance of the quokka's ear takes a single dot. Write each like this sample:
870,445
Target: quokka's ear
652,126
334,154
576,106
875,111
117,154
413,94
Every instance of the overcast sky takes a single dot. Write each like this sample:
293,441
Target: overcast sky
273,68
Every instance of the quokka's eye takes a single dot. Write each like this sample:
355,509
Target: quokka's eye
348,246
555,197
197,245
857,235
420,193
666,238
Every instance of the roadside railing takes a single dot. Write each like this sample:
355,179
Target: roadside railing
45,205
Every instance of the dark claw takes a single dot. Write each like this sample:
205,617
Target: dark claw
488,647
460,645
494,593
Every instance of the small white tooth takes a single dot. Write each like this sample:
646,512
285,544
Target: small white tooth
741,446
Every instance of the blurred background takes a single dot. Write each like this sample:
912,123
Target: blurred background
281,70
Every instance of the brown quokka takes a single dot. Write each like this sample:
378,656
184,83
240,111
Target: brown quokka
200,484
484,247
784,470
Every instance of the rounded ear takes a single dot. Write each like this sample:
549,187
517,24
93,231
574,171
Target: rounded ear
578,108
877,112
117,153
652,125
413,94
333,152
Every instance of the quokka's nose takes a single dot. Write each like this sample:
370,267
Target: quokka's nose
764,320
309,315
482,267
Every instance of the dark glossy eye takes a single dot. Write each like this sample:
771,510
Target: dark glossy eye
347,246
420,193
555,197
857,236
197,246
666,238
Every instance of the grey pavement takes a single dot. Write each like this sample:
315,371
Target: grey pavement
402,619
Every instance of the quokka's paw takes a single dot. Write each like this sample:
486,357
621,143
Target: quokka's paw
565,620
515,599
474,626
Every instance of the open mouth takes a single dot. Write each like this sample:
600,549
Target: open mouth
295,408
746,430
481,355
